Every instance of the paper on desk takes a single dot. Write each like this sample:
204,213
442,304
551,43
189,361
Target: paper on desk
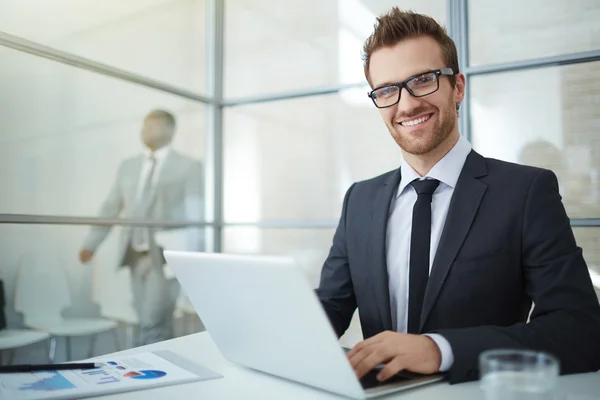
118,374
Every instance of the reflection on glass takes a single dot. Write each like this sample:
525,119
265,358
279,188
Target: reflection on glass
296,159
66,131
498,33
588,238
308,247
290,46
160,39
45,257
160,184
546,118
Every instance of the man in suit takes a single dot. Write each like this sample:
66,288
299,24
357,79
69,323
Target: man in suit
445,256
161,184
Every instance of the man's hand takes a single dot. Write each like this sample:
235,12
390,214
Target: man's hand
399,351
85,255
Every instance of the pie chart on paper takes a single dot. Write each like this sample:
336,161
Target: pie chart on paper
145,374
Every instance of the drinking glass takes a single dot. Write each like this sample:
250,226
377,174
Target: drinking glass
518,374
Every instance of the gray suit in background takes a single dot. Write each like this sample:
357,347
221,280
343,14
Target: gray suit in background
177,195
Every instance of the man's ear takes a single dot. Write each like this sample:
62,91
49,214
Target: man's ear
459,88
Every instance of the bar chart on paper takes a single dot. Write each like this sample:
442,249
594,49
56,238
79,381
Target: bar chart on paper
117,374
45,382
98,377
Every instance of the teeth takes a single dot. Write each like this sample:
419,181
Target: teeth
415,121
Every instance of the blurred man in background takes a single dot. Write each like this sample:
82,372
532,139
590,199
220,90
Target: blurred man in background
161,184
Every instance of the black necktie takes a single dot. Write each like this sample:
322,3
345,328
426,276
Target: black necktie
419,250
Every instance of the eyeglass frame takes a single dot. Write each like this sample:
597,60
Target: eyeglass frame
438,72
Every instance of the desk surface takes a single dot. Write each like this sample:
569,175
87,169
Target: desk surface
242,383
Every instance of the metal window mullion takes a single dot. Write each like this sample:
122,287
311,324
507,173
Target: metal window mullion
49,53
543,62
70,220
463,13
316,91
458,30
290,224
214,136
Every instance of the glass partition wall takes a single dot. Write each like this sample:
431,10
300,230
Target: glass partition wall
267,101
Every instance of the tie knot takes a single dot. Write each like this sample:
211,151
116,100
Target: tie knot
425,186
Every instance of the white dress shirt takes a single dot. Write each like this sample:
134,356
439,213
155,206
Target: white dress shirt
399,228
160,155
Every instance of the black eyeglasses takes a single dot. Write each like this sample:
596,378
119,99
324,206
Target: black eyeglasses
418,85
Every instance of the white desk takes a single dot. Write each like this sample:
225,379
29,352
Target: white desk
243,383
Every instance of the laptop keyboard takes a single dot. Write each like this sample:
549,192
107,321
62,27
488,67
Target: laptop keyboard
370,379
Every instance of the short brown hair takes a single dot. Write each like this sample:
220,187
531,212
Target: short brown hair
397,25
166,116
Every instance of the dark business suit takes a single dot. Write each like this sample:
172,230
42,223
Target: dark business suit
506,242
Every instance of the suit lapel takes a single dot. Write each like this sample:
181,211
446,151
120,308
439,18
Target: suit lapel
165,172
380,215
468,193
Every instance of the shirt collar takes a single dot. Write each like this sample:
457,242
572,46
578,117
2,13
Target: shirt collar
447,170
159,154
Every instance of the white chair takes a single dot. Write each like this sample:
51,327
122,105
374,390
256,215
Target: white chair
42,294
185,312
183,239
111,290
11,339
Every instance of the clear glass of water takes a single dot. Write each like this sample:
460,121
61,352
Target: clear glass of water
518,374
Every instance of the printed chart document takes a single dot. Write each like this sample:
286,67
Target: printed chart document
118,374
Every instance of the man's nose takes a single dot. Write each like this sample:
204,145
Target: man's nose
407,103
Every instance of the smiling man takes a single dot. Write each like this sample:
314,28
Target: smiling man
445,256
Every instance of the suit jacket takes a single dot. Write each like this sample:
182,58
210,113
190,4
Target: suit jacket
178,195
506,242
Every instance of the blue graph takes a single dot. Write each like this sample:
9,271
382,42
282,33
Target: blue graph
100,377
54,382
148,374
94,372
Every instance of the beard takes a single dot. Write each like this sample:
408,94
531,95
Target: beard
425,140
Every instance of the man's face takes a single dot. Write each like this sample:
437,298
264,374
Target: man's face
418,124
156,133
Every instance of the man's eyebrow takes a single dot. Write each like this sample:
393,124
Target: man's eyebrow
387,83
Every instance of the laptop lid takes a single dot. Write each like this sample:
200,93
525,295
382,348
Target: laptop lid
262,313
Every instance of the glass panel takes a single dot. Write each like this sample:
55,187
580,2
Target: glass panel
68,135
588,238
549,118
160,39
279,46
42,274
504,31
295,159
309,248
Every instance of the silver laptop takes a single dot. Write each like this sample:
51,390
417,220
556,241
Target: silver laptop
262,313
